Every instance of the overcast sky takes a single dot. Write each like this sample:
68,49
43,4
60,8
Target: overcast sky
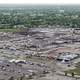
41,1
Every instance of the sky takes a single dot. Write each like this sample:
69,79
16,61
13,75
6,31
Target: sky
40,1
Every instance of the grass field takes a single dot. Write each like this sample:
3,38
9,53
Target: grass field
76,71
9,30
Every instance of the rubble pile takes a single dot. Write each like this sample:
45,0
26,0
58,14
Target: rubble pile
38,40
35,43
21,69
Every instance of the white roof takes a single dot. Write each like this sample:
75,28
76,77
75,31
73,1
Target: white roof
14,60
68,56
